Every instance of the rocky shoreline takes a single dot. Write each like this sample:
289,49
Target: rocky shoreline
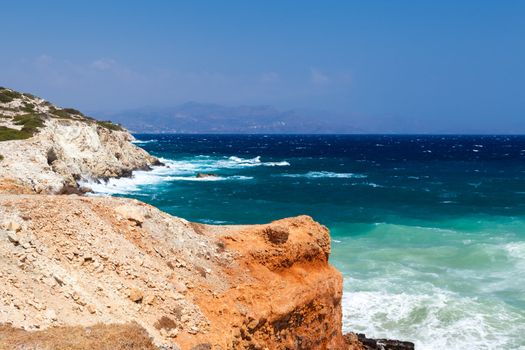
118,273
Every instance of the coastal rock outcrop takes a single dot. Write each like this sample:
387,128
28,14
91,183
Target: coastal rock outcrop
204,175
47,149
188,285
361,342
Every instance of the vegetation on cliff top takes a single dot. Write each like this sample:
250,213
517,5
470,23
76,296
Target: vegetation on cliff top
129,336
7,95
30,112
30,124
110,125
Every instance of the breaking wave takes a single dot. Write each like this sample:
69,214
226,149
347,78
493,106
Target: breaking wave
141,142
178,170
327,174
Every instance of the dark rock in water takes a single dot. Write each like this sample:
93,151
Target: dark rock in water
126,173
201,175
361,342
144,168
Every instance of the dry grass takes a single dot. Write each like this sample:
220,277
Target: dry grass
198,228
98,337
165,323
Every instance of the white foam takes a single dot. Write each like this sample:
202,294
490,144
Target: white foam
326,174
126,185
140,142
213,222
210,178
466,307
432,320
283,163
237,162
516,250
246,162
178,170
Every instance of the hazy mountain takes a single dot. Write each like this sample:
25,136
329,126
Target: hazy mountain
195,117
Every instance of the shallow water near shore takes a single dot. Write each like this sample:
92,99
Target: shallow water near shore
428,231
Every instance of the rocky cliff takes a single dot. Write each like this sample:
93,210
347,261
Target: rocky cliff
191,286
47,149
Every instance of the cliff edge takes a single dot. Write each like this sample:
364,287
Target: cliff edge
48,149
116,260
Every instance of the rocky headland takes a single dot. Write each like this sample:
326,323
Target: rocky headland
89,272
47,149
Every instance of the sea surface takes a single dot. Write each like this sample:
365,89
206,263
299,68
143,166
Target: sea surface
428,231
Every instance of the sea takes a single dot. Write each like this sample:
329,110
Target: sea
428,231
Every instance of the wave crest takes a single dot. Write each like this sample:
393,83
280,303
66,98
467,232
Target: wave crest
327,174
178,170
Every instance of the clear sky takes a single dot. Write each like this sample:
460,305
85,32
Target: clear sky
421,65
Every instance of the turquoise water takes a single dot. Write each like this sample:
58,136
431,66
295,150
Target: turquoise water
428,231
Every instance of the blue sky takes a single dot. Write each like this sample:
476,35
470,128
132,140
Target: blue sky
432,66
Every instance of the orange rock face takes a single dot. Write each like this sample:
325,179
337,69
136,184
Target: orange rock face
284,293
80,261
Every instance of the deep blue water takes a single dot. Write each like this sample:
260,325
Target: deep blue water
428,231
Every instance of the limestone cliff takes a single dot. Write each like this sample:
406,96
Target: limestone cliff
115,260
47,149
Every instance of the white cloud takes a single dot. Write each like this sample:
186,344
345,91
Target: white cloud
103,64
44,60
106,82
317,77
270,77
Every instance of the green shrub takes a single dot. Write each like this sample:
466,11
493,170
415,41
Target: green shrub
109,125
28,107
60,113
30,124
8,134
1,157
31,96
8,95
72,111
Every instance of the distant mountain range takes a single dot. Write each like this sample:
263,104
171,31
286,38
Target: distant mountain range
195,117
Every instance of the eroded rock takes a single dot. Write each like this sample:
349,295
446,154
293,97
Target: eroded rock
90,264
359,341
277,234
136,295
12,226
132,213
64,150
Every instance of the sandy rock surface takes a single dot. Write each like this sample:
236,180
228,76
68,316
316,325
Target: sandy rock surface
115,260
